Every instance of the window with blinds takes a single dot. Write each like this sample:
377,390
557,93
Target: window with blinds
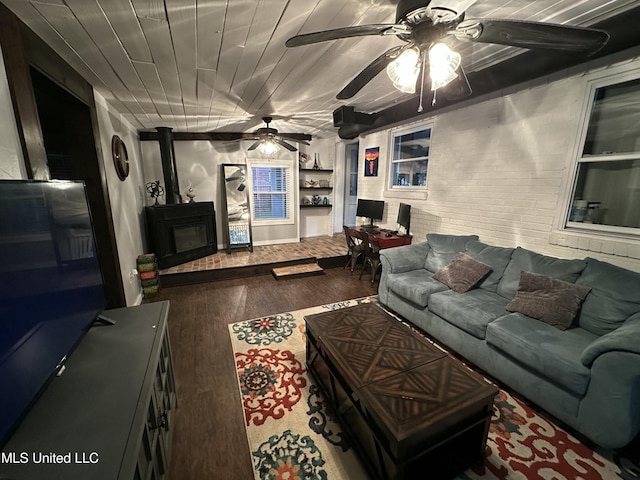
271,186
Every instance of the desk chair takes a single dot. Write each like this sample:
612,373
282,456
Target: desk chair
371,257
355,249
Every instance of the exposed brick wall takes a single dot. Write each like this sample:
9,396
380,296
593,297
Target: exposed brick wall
500,169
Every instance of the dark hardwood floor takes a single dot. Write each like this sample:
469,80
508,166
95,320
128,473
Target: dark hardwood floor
209,440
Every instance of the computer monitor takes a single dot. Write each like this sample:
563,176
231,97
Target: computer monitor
404,216
371,209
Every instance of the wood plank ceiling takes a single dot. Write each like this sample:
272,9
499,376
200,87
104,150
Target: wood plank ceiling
201,65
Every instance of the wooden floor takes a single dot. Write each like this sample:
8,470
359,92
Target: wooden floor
209,440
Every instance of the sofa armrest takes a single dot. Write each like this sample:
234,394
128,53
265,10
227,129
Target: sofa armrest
404,258
625,338
609,413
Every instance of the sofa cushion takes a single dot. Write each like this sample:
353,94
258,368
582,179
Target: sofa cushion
496,257
526,260
614,297
550,352
548,299
470,311
462,273
415,286
443,248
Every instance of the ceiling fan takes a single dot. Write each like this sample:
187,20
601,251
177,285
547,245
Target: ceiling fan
423,24
266,139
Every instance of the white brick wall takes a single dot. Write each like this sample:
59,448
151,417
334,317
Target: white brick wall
499,169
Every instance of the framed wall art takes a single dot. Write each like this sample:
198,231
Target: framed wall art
371,156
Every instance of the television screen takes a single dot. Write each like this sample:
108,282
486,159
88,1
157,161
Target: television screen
372,209
404,216
51,287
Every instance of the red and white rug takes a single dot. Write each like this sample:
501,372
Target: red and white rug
292,436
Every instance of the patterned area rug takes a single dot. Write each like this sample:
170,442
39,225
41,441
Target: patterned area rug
292,436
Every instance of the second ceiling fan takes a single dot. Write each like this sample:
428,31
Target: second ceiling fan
423,24
266,139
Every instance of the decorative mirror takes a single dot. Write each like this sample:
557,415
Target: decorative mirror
236,213
120,157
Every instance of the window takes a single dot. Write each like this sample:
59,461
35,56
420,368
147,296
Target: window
410,158
271,187
606,189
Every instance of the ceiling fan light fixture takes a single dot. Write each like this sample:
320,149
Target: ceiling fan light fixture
443,63
404,70
268,146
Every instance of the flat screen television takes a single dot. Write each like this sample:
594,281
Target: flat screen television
371,209
404,217
51,287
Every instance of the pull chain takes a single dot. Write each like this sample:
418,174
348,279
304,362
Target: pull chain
420,108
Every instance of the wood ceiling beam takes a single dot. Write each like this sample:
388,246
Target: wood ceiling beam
214,136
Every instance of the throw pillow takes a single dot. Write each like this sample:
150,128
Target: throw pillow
550,300
462,273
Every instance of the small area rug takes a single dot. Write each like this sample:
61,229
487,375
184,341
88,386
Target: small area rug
291,434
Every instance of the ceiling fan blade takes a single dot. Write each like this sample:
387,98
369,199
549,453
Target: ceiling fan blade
284,136
370,72
297,137
289,147
336,33
458,88
519,33
254,145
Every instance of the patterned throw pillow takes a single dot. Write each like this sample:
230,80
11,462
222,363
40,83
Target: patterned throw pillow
462,273
550,300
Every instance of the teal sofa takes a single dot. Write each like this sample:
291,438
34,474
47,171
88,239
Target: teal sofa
587,376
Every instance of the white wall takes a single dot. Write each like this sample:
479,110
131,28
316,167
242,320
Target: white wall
501,169
11,160
127,197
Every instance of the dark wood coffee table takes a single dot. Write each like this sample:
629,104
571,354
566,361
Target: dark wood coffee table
409,409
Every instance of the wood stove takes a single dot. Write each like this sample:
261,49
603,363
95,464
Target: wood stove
181,232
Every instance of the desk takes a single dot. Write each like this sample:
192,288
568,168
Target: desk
380,238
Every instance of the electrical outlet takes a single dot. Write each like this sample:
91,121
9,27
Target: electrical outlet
132,275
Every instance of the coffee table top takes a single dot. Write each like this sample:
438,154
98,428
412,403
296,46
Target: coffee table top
368,344
412,387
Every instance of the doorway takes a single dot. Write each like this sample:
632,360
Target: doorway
350,183
69,143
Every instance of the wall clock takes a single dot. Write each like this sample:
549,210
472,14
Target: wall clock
120,157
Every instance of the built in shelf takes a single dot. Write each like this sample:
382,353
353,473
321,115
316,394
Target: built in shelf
315,206
316,188
316,170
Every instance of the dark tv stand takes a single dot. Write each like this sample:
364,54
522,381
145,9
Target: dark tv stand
111,414
104,320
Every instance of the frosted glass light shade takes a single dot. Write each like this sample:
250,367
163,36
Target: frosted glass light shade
404,70
443,63
268,147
